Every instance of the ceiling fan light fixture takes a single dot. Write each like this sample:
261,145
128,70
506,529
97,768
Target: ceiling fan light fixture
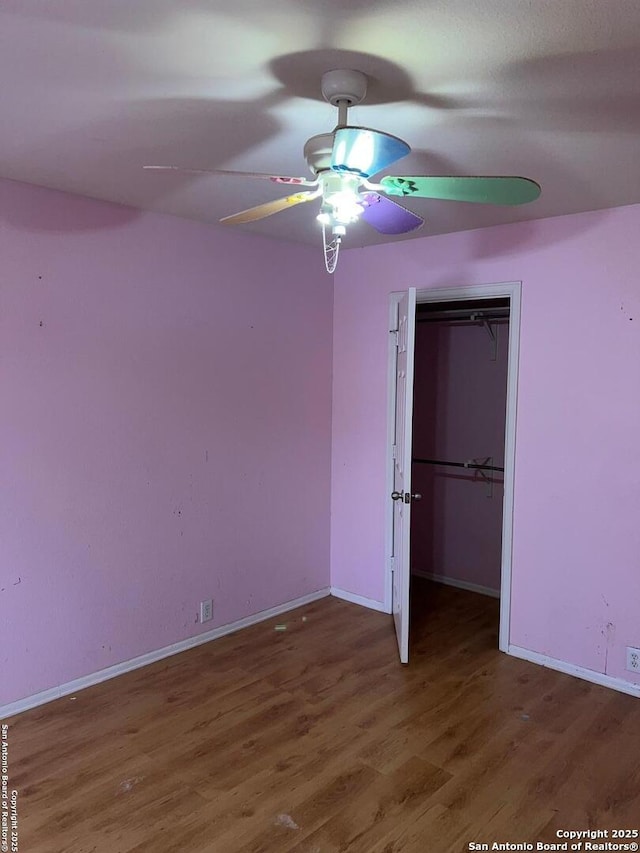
341,199
347,206
324,217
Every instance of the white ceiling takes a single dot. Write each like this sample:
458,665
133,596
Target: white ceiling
93,89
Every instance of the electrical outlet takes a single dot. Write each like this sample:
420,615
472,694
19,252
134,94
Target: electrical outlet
206,610
633,659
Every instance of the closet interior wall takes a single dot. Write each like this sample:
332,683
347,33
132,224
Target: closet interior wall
459,414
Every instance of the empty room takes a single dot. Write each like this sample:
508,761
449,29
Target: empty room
320,371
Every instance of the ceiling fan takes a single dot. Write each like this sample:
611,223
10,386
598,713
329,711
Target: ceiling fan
343,162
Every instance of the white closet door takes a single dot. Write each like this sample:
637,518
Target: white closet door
402,469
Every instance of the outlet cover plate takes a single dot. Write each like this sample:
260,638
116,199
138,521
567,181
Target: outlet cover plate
206,610
633,659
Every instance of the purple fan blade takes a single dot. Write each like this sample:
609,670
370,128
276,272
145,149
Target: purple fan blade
387,216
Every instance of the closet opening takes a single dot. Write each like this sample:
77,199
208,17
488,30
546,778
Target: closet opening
460,394
449,521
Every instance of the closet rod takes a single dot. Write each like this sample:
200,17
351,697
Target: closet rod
459,464
462,317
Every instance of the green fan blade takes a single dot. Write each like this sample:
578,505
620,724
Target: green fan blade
501,190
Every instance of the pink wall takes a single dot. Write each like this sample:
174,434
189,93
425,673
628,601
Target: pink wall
166,406
576,552
460,395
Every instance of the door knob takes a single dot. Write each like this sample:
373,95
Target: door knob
405,496
396,496
416,497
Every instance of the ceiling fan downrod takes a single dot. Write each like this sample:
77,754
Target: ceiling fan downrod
343,108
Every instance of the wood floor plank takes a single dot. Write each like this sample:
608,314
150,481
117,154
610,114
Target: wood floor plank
376,812
314,739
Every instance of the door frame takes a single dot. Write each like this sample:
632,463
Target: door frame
512,290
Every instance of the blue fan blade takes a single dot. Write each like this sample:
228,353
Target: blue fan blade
387,216
364,152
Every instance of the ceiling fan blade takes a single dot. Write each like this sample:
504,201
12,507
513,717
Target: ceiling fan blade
388,217
364,152
270,207
485,190
277,179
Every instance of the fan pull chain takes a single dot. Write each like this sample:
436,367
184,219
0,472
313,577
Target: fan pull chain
331,251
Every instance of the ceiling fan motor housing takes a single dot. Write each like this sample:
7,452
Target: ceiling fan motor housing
317,152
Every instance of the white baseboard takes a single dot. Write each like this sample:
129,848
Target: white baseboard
151,657
470,587
578,671
358,599
77,684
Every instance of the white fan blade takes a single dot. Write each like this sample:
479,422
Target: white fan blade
277,179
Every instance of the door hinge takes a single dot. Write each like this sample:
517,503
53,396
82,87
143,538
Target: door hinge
394,451
392,561
394,332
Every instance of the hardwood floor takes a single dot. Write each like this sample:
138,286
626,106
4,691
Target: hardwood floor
315,740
